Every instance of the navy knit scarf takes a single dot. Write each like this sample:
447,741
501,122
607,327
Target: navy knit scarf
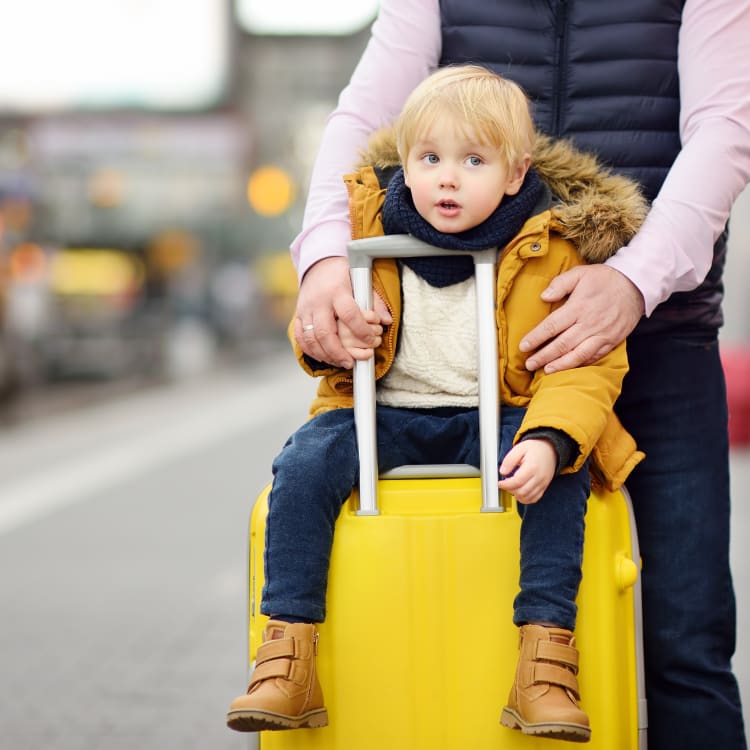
401,217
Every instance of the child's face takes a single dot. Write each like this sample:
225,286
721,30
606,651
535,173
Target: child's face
456,181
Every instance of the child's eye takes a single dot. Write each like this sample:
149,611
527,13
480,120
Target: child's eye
430,159
473,161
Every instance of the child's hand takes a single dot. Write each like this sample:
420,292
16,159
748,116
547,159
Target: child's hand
528,468
354,345
377,318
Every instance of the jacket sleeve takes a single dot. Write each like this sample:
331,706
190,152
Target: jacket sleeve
579,402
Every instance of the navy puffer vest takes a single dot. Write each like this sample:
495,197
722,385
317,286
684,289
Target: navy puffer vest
603,75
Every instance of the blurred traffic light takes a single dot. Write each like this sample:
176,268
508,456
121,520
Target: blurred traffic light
270,190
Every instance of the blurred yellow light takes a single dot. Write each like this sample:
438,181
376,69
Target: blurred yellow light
270,190
171,250
94,271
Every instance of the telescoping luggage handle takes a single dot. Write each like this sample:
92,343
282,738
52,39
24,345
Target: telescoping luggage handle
361,254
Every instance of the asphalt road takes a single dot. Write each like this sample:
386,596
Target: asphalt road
123,554
122,563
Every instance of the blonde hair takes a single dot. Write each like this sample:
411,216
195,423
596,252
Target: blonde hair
482,105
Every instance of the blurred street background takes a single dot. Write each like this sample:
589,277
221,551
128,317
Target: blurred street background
154,158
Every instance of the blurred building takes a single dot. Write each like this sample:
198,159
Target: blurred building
179,136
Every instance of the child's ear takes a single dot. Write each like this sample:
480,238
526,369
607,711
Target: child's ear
518,174
406,179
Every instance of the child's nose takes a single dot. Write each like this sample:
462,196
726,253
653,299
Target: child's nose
448,179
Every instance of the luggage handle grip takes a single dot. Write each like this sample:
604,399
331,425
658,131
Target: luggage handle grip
361,254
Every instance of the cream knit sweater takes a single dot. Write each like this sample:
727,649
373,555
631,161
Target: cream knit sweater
436,361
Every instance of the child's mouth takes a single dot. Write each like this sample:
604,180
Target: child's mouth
448,208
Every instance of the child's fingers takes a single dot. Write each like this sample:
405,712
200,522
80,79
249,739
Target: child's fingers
518,479
381,310
520,476
359,353
512,460
524,491
374,320
350,341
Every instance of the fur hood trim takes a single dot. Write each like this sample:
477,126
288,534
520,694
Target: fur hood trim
598,211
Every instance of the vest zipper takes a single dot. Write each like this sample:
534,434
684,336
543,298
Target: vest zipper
561,32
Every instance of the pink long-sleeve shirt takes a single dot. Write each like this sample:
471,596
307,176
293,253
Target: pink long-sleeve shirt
673,250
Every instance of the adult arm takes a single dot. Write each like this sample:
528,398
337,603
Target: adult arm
403,49
673,250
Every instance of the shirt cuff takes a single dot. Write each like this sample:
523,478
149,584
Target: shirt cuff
325,240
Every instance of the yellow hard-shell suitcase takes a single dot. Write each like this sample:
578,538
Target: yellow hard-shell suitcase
419,650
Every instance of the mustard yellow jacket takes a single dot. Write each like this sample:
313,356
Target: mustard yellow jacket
580,401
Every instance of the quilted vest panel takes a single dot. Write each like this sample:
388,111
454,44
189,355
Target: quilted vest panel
603,75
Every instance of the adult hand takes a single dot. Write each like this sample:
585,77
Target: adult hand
602,308
325,296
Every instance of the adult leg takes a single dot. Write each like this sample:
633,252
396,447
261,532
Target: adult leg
674,404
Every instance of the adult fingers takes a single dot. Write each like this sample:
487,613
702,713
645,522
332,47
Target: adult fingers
325,287
306,335
559,320
602,308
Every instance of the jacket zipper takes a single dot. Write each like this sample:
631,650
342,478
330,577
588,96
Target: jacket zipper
561,45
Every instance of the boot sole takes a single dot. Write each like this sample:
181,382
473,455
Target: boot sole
257,721
551,730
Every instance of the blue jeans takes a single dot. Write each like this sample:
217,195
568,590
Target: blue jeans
674,404
315,472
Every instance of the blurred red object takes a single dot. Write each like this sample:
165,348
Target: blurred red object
736,362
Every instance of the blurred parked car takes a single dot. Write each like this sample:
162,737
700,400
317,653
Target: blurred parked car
25,309
8,380
77,311
96,301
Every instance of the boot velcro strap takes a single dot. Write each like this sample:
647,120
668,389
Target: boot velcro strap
270,669
284,647
275,649
557,652
554,675
295,672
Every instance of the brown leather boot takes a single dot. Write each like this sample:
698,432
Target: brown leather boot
284,692
544,698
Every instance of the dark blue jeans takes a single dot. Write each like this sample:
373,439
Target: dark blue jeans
674,404
315,472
